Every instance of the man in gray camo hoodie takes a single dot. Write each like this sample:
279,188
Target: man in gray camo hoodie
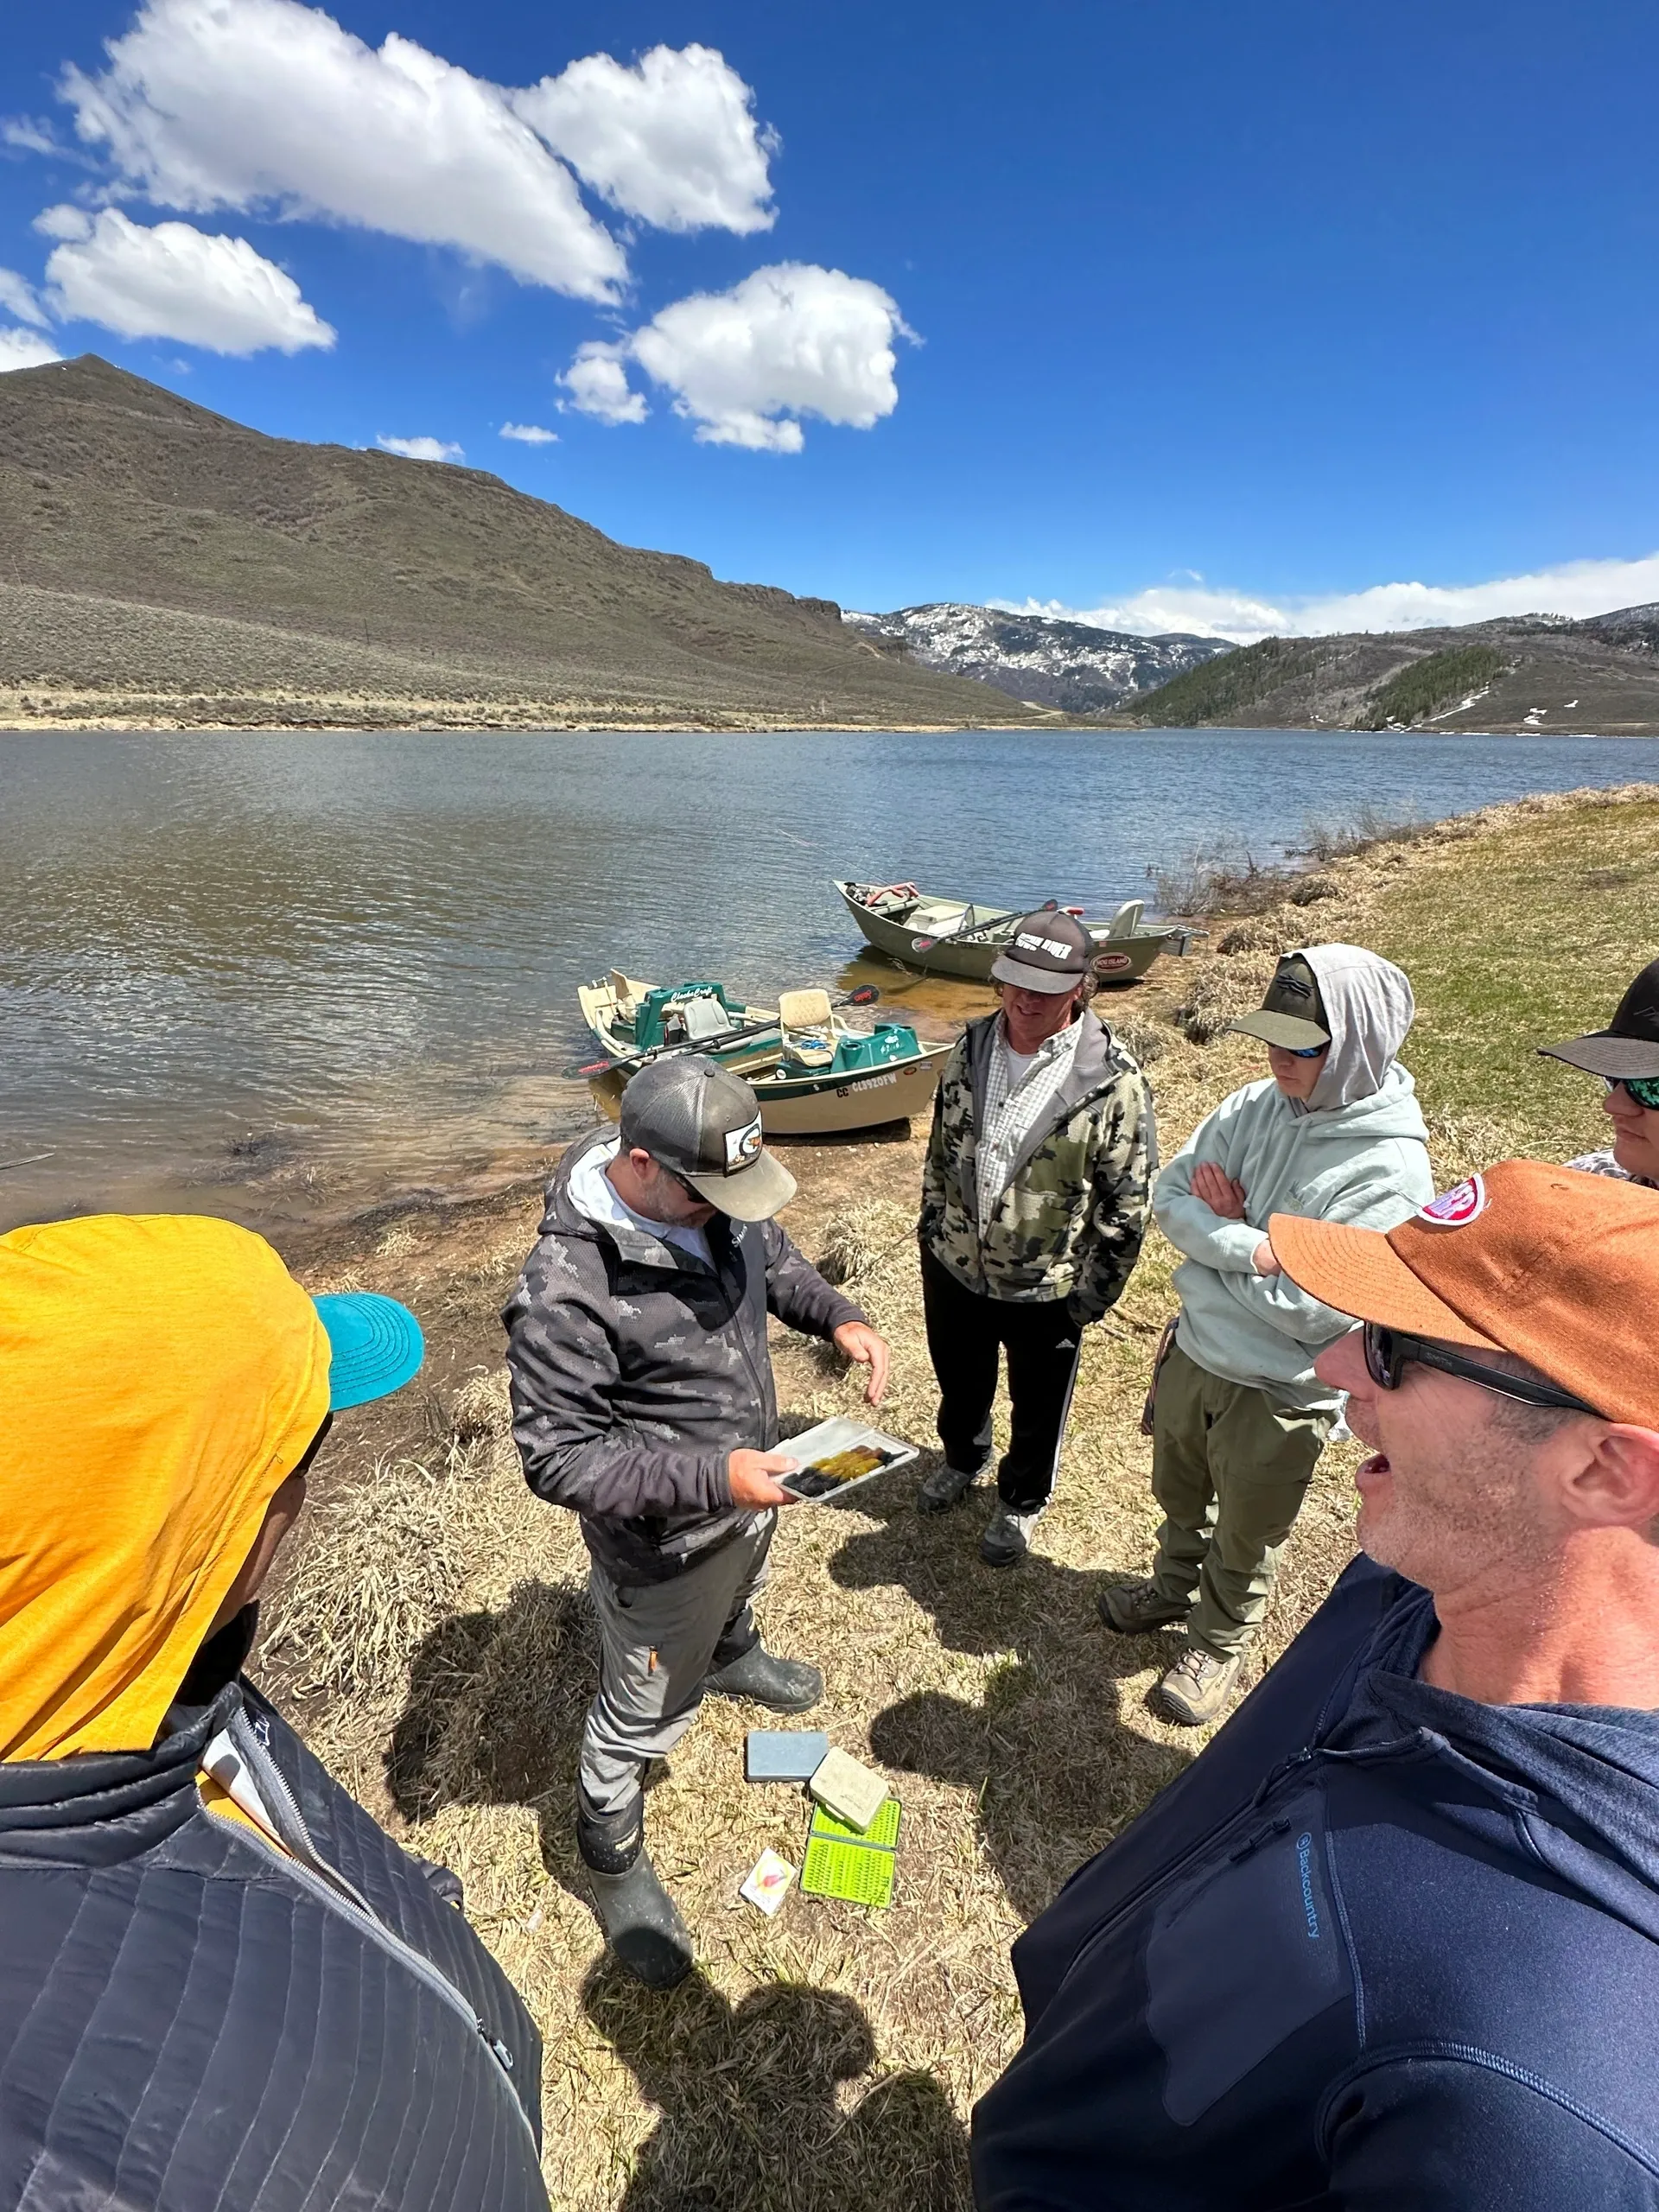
643,1399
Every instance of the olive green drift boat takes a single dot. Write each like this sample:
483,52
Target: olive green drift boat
954,937
813,1074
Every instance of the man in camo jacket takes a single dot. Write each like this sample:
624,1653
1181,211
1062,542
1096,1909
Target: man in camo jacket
1033,1206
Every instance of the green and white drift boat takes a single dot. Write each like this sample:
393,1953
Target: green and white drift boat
954,937
813,1074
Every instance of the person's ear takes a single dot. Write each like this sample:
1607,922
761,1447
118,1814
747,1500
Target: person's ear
1617,1485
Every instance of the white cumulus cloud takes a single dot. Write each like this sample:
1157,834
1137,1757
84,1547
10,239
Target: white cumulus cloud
420,448
597,385
529,434
17,296
672,140
173,281
25,349
266,103
1578,589
745,364
63,221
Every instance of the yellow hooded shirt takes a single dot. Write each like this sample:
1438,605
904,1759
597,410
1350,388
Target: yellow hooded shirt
160,1377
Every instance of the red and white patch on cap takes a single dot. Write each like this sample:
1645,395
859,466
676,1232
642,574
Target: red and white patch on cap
1458,1207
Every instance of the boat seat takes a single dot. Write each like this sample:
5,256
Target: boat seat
704,1018
808,1027
1127,920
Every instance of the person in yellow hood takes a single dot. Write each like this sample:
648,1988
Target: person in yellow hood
279,2007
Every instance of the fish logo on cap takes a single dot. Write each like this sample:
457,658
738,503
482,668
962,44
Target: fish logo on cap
742,1147
1458,1207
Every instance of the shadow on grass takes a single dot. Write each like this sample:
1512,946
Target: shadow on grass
494,1714
1056,1771
752,2121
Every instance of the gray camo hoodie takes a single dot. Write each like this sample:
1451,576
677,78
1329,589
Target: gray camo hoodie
636,1371
1357,1152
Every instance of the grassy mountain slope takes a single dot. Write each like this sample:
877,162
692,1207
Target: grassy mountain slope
1531,673
163,553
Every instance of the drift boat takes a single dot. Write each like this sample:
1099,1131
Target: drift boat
967,937
813,1074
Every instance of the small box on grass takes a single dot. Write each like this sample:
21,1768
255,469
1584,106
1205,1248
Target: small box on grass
784,1754
855,1864
853,1793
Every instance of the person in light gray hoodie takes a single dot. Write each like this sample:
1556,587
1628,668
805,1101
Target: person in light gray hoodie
1238,1416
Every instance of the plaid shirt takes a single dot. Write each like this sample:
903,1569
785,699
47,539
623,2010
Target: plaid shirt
1010,1115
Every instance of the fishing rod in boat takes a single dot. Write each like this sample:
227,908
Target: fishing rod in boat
962,936
866,994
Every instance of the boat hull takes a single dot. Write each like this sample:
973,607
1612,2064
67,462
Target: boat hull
826,1105
1118,959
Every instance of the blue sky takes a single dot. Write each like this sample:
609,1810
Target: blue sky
1199,315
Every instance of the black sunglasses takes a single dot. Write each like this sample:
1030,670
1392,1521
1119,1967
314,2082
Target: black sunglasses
1388,1352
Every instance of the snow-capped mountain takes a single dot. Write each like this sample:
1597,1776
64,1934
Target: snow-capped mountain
1071,665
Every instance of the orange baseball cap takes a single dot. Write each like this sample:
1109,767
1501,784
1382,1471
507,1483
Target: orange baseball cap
1559,1267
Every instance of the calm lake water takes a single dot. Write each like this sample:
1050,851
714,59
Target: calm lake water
288,974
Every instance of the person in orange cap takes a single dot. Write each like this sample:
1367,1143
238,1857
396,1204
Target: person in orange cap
1393,1938
223,1984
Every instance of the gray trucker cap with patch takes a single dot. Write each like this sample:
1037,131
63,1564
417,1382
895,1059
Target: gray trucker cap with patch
704,1122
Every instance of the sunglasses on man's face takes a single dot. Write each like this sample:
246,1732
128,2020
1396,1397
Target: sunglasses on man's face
1645,1089
1389,1351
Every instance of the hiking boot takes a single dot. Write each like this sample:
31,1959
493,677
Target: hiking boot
1134,1608
1197,1686
781,1685
945,1487
1007,1536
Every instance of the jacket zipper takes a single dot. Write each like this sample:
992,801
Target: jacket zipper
334,1891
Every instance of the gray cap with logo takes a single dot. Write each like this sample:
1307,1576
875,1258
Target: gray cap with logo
702,1122
1049,951
1293,1014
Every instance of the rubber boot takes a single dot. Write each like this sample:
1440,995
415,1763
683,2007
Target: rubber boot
781,1685
641,1923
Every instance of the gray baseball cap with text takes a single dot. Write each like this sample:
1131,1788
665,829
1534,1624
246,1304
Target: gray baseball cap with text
704,1122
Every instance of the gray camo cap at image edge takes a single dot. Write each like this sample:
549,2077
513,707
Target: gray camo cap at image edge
704,1122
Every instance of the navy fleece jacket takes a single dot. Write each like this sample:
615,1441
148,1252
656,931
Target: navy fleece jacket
1379,1949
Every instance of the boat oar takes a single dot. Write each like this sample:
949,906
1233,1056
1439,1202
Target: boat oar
962,936
866,994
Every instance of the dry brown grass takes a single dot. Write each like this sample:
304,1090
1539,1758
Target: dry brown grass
434,1642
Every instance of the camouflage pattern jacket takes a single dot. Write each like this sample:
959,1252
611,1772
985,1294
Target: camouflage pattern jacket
636,1370
1071,1222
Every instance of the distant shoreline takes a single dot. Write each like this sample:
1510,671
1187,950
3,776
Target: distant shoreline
370,717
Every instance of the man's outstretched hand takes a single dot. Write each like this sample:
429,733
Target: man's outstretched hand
1218,1190
859,1342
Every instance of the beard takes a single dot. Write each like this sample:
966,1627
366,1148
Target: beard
1462,1512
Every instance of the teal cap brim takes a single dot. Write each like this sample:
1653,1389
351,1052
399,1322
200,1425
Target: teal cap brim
375,1344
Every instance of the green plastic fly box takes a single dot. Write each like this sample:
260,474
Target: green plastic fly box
856,1864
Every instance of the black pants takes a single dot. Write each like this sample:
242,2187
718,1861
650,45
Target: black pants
965,1332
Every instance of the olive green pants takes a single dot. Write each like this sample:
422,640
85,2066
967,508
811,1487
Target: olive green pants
1230,1466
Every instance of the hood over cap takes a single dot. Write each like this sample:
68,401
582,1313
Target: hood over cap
1369,1008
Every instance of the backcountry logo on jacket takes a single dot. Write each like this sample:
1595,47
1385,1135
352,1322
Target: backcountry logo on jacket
1071,1222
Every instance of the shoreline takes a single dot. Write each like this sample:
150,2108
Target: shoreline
738,726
